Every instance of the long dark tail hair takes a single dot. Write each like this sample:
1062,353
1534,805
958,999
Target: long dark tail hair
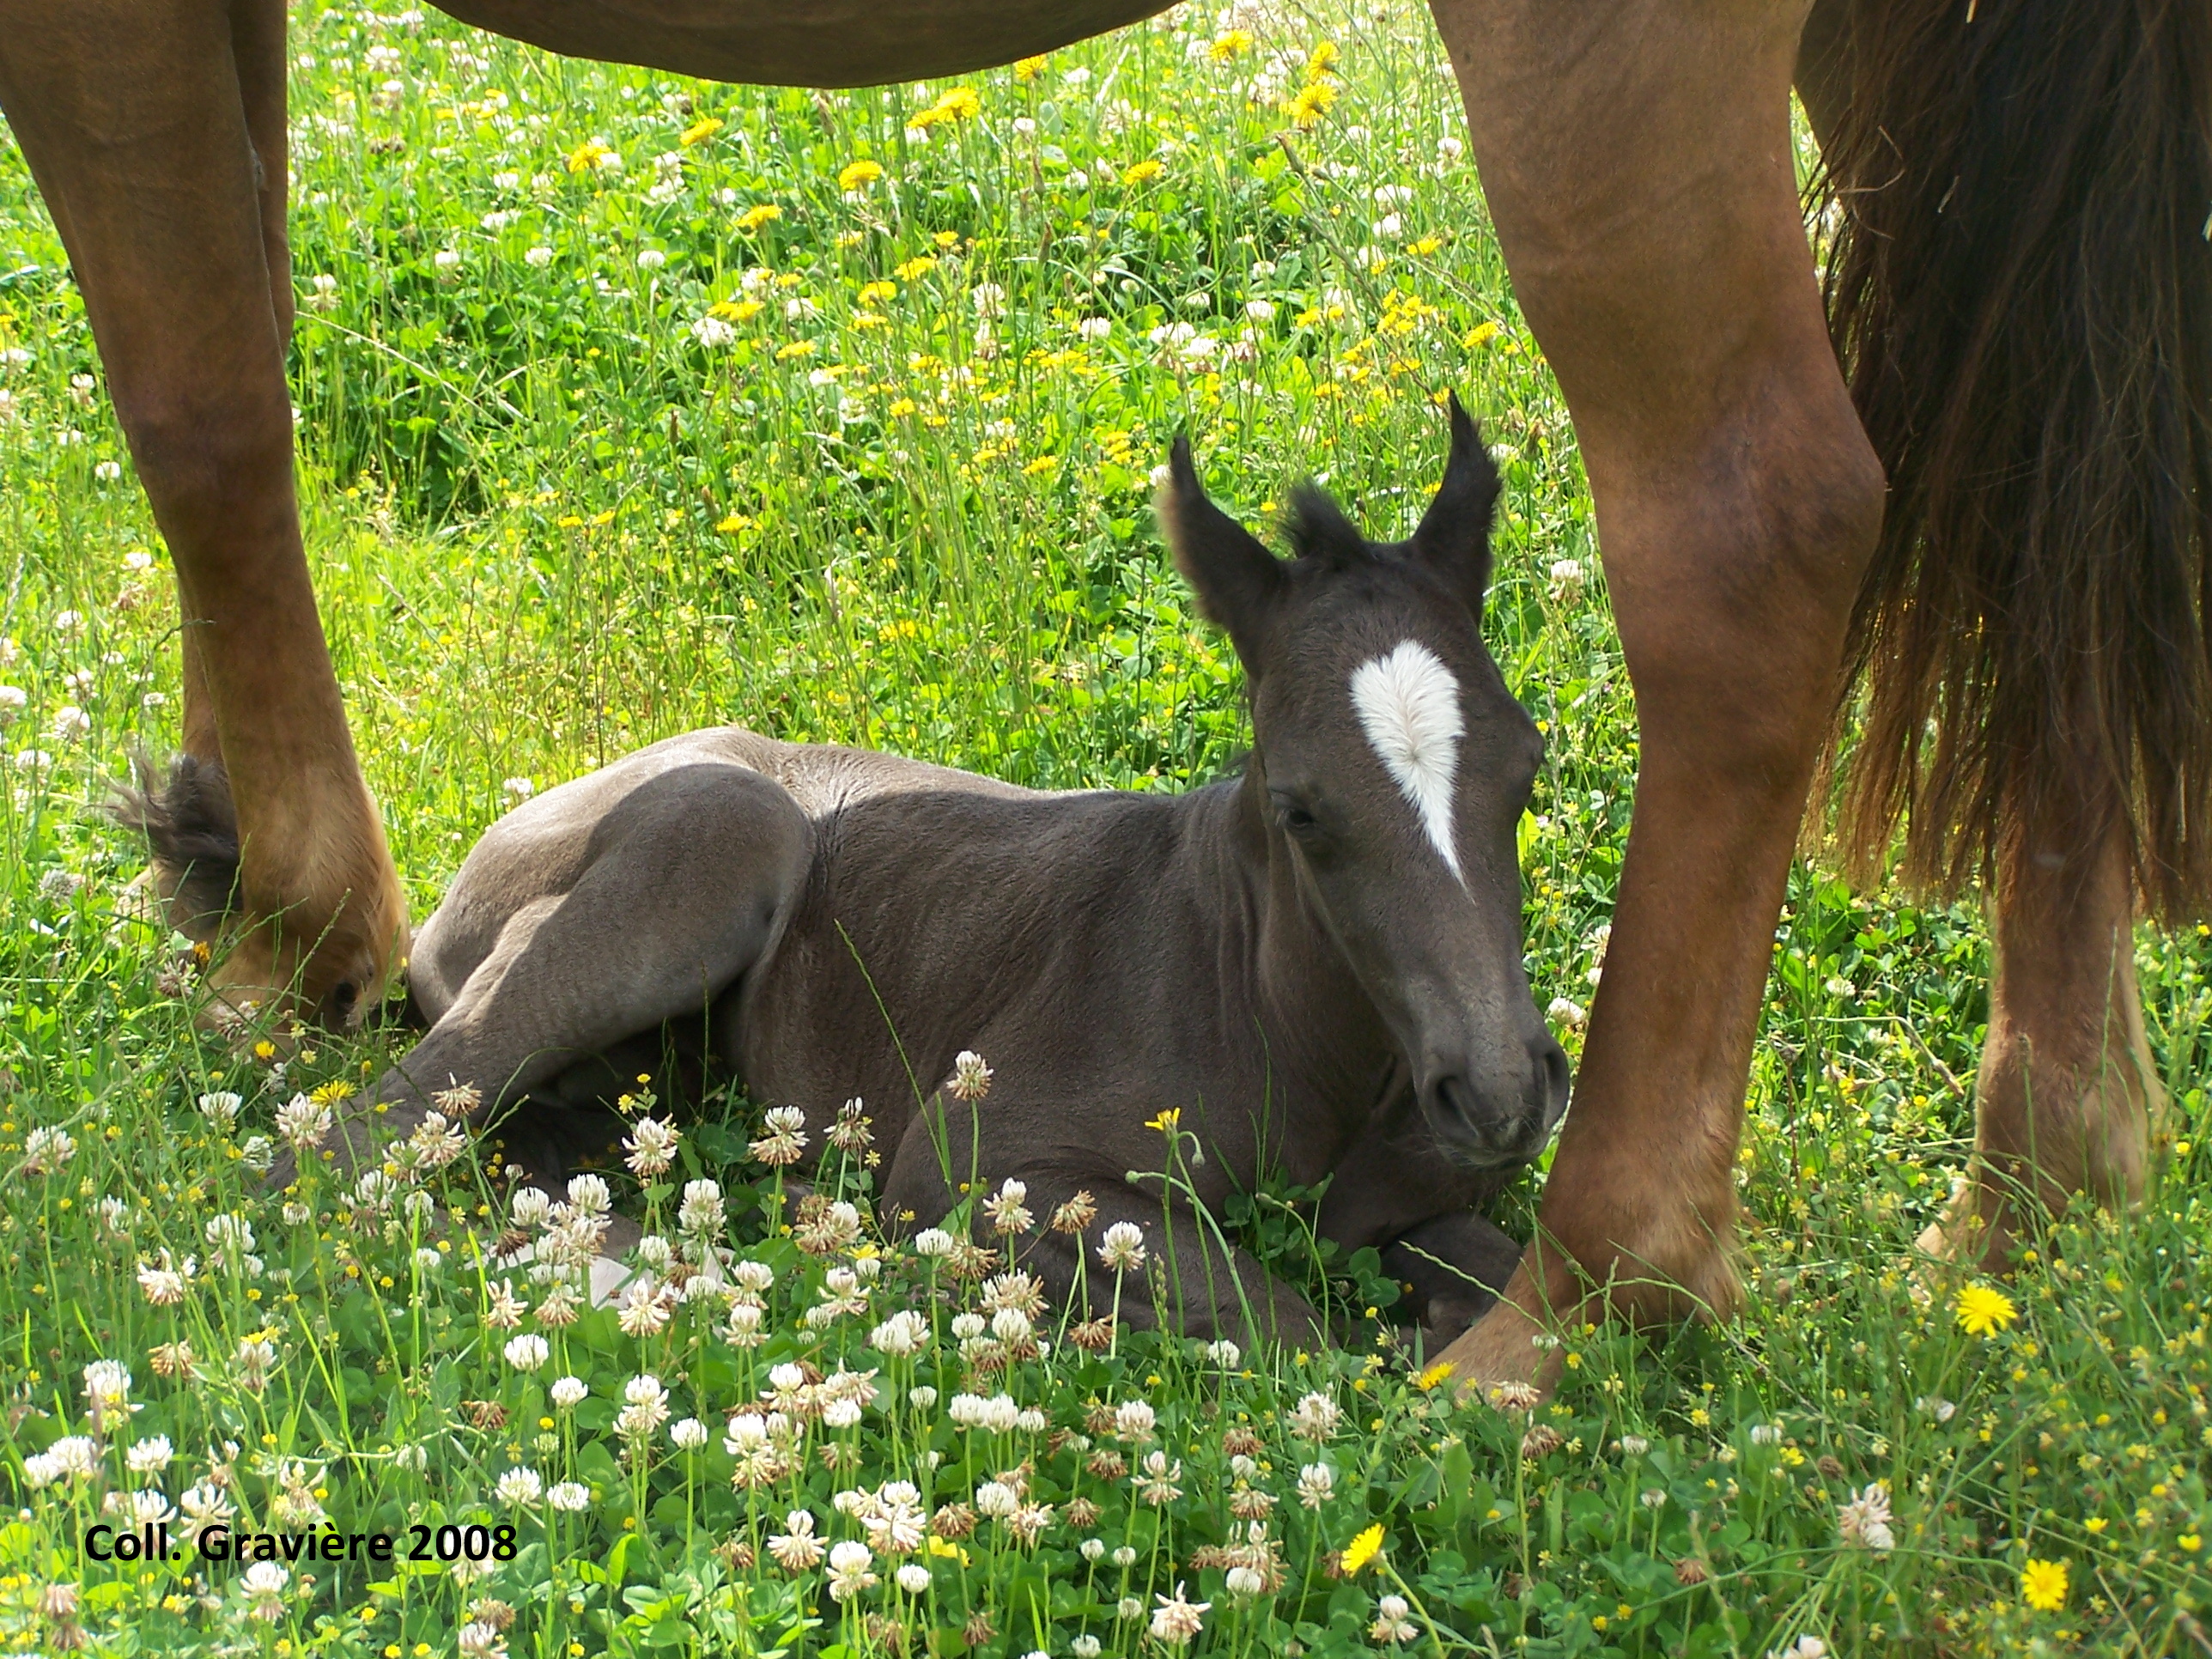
2019,288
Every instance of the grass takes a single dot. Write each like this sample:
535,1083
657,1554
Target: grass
621,413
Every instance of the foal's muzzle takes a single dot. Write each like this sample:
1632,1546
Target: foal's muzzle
1505,1117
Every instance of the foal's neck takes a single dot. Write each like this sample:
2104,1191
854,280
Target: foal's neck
1325,1043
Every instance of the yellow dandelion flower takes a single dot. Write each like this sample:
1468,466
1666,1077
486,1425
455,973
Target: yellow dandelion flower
1312,103
1984,1310
605,517
915,267
854,175
796,349
2190,1541
946,238
587,155
1142,173
735,523
1229,44
1043,463
900,407
569,521
873,293
2042,1585
758,214
699,132
735,310
1323,61
1027,69
1480,334
1434,1374
953,104
1166,1122
1363,1549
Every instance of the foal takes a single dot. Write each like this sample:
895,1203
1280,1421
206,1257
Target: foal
1318,963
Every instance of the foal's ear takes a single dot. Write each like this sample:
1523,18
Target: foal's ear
1236,580
1453,538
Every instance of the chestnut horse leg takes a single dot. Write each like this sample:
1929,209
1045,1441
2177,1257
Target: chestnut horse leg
2068,1088
155,129
1637,159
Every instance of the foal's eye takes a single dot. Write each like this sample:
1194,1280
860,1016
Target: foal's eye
1297,821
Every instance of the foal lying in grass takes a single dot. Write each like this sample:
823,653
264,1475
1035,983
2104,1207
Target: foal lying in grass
1316,964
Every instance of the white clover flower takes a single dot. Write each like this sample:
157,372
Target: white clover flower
1176,1620
996,1499
689,1433
1316,1484
1767,1434
744,1326
701,1212
570,1496
220,1107
967,1325
933,1242
1129,1607
538,257
302,1122
1094,328
589,1194
1634,1445
1314,1418
1030,1420
1123,1246
1391,1624
1245,1582
1092,1548
1865,1521
841,1413
1134,1419
528,1206
528,1351
520,1486
901,1335
1011,1325
650,258
150,1455
914,1578
849,1564
47,1151
262,1586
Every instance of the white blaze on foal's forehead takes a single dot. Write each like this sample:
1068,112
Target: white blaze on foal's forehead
1408,705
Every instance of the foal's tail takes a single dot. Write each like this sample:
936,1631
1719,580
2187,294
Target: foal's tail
2021,290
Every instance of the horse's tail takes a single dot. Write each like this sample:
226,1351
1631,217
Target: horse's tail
2021,290
190,826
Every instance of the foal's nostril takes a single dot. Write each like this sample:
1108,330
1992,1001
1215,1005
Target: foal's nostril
1551,1080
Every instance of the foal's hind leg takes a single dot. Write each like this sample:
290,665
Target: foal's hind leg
2067,1089
1638,160
665,898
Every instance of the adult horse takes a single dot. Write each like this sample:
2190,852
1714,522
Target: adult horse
2022,298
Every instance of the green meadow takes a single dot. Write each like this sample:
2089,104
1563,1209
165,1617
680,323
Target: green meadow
629,404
